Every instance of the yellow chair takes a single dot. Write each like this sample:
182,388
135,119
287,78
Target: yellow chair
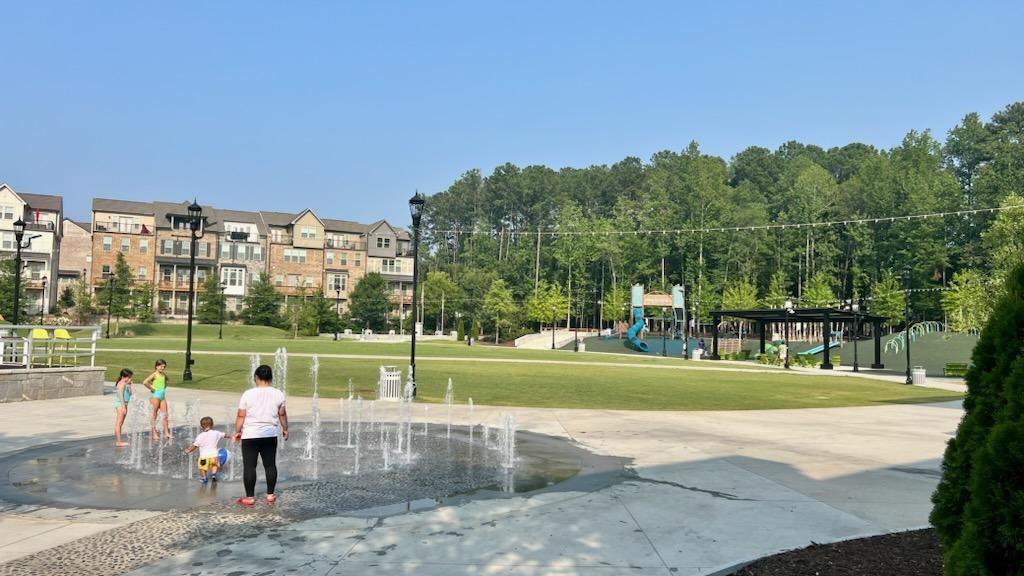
40,335
62,335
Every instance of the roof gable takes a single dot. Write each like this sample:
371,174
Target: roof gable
303,213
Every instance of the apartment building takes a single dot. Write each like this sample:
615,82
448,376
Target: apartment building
344,258
75,254
296,262
389,252
301,253
42,215
243,254
122,227
173,255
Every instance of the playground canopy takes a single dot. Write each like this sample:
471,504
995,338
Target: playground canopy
826,316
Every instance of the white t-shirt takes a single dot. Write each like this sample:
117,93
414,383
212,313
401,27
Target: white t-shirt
261,405
207,443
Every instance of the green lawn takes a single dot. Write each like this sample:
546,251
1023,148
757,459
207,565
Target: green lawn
553,385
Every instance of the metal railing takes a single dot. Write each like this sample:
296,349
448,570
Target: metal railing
47,346
40,226
124,228
344,244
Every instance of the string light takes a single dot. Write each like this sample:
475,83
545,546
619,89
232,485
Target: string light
771,226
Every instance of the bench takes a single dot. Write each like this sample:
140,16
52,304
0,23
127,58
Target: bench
955,369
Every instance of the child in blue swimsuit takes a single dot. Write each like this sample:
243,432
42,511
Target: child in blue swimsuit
123,395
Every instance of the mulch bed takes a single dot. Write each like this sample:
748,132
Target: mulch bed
916,553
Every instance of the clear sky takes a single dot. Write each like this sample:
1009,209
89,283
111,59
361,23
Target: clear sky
347,108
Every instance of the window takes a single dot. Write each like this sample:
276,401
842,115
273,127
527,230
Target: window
202,249
142,272
184,247
256,251
126,245
8,241
308,233
309,281
383,242
8,212
338,282
233,277
297,256
167,247
165,273
391,265
276,235
358,259
344,258
165,301
225,250
200,275
293,279
278,280
143,245
108,243
106,269
330,258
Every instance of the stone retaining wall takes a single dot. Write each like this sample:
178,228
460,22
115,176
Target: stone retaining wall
17,384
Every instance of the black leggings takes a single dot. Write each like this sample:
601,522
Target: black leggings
265,448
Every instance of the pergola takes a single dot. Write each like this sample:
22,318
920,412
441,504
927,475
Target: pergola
826,316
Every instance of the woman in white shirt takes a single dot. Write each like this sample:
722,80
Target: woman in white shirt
261,415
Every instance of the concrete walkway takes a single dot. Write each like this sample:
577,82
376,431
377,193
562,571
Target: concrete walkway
714,489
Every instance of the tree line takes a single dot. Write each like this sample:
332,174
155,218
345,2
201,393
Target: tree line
499,245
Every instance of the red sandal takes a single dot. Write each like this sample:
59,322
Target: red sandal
246,501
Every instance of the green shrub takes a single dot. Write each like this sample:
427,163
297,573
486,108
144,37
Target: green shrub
979,508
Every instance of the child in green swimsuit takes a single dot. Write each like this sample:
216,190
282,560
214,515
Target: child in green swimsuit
157,384
123,395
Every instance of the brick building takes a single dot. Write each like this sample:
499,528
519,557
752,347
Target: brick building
75,254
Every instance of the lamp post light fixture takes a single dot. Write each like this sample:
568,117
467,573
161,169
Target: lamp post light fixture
855,308
789,310
906,314
42,302
110,299
220,331
337,310
20,243
416,211
195,221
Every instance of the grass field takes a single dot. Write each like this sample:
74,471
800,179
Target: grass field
652,384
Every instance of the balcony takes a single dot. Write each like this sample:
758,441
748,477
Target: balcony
122,228
406,252
179,285
344,244
281,239
40,226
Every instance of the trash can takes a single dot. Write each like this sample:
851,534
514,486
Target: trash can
696,354
917,375
583,347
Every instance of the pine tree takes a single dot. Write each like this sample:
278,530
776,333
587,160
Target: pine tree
211,302
262,304
888,299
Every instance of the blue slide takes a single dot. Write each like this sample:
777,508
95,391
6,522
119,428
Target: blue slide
817,349
632,335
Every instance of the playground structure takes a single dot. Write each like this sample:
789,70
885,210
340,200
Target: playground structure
639,300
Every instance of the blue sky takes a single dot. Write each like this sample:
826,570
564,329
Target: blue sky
347,108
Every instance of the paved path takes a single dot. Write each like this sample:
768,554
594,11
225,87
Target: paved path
713,489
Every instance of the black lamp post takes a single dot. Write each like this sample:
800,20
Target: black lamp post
110,299
20,243
416,211
906,314
855,307
220,330
789,310
554,311
42,302
195,220
337,311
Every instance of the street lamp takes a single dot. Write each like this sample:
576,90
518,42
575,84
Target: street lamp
416,211
789,310
110,299
42,302
195,215
554,311
220,331
20,243
906,314
855,307
337,311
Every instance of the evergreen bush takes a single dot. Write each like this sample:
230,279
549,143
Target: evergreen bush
979,503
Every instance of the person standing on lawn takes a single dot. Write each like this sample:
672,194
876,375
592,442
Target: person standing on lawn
261,416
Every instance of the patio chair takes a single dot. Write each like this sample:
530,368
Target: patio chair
67,345
40,335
